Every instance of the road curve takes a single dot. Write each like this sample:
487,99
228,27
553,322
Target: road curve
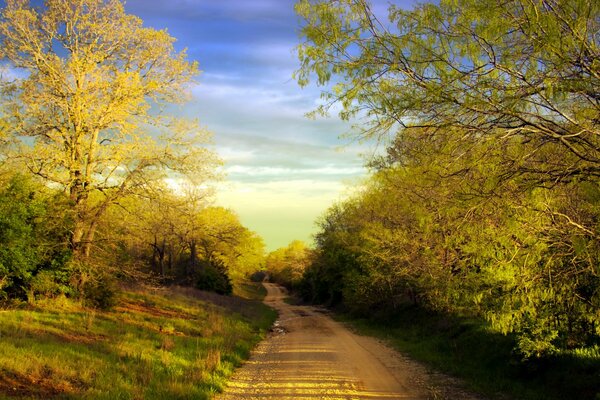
310,356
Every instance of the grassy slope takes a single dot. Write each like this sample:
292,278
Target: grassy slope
176,343
484,360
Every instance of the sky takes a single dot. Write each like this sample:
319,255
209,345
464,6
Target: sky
283,170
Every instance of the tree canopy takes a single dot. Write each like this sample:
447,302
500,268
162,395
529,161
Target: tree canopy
508,72
115,183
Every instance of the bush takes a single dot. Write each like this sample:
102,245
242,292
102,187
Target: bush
100,292
46,285
213,277
32,239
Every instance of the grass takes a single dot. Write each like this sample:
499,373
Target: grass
249,290
485,360
176,343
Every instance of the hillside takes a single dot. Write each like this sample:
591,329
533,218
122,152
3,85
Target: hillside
175,343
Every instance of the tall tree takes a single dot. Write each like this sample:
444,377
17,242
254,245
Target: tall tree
83,100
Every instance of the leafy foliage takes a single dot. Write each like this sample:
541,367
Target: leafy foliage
287,264
100,293
213,277
491,71
180,239
486,204
33,240
84,110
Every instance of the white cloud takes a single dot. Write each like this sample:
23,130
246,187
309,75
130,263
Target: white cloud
258,98
232,156
283,169
275,171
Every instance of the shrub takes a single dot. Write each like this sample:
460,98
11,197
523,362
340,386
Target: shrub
213,277
100,292
258,276
32,239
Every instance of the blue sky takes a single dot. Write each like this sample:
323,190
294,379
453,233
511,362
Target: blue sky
283,170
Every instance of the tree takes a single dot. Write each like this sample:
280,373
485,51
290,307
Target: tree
177,237
248,256
83,100
223,240
525,261
286,265
509,72
140,232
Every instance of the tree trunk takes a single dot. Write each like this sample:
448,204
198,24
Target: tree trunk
89,239
76,238
78,196
162,257
91,220
193,259
158,256
170,259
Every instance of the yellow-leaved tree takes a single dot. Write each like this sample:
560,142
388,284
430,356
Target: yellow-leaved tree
84,94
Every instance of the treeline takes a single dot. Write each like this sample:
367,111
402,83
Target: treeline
486,204
99,182
170,238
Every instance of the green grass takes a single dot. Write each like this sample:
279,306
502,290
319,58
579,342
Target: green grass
485,360
177,343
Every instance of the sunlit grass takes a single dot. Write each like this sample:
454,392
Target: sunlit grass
162,344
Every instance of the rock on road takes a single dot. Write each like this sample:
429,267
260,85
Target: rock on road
310,356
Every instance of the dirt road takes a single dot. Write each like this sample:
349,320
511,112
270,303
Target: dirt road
310,356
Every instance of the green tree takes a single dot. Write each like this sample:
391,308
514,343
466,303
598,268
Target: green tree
524,261
83,104
501,72
177,237
286,265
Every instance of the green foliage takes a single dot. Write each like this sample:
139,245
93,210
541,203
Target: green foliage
18,255
486,204
213,277
258,276
178,239
493,71
77,110
100,292
33,246
287,264
527,270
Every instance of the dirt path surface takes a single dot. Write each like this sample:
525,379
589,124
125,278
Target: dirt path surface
310,356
